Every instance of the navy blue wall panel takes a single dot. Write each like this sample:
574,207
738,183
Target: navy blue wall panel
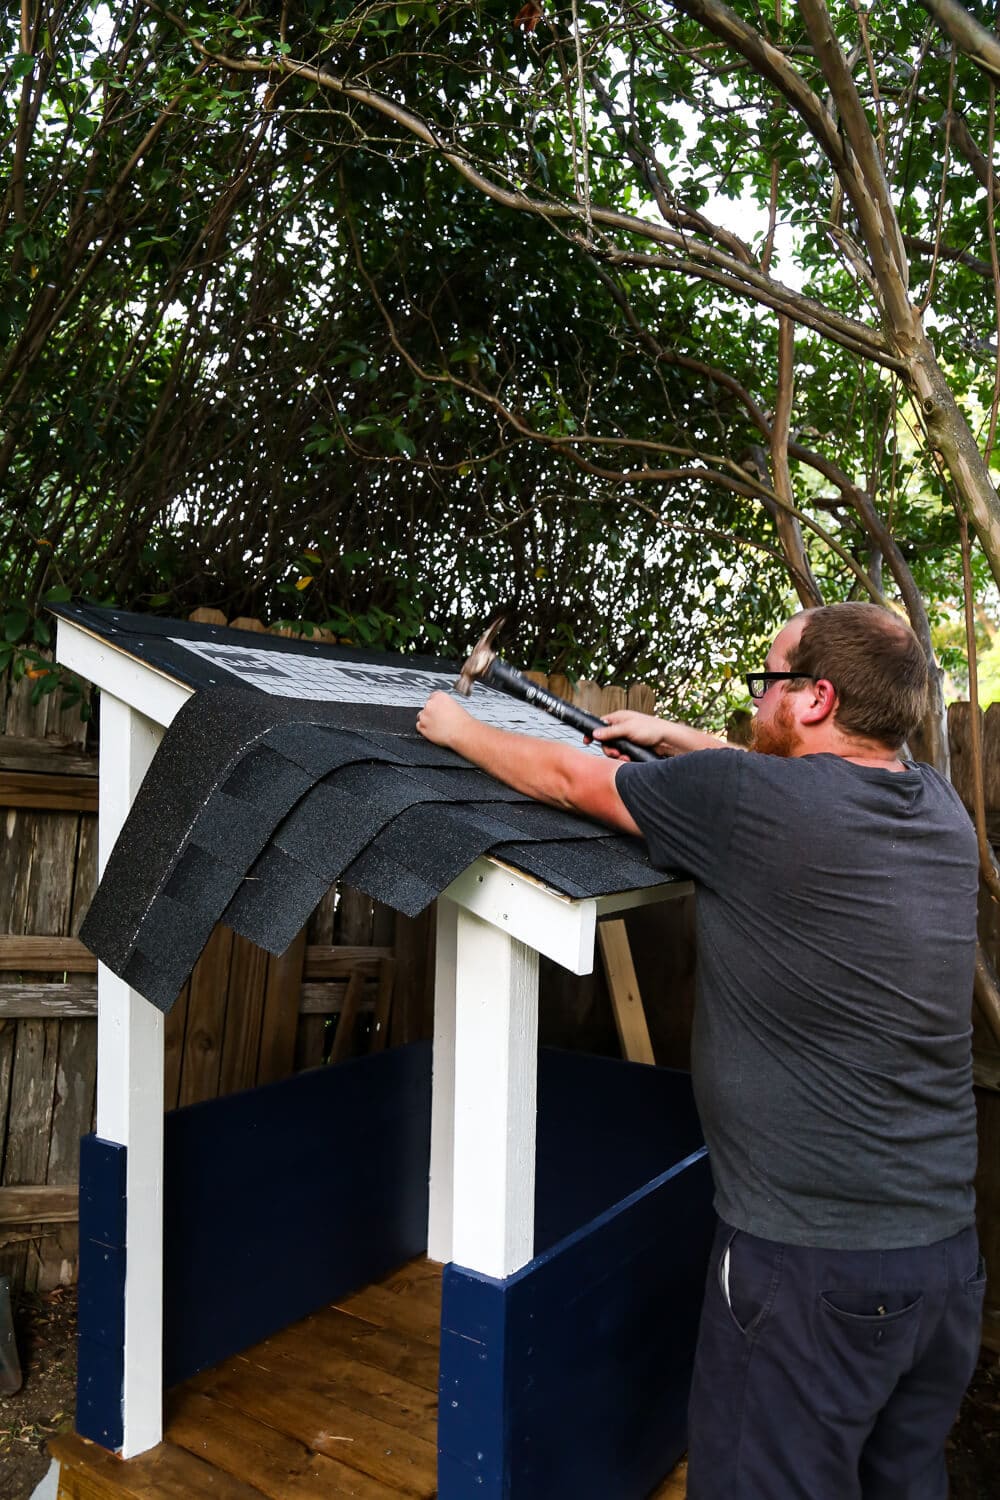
101,1316
281,1199
605,1128
591,1348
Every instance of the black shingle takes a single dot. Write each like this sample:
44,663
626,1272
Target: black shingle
256,803
275,901
429,845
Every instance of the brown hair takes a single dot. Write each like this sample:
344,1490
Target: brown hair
876,664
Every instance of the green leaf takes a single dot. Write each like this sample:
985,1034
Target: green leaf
15,623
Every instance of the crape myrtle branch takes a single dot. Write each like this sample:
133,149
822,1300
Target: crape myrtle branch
855,161
980,46
696,260
740,480
851,494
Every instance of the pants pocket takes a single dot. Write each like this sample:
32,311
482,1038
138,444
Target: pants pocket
975,1283
869,1319
749,1273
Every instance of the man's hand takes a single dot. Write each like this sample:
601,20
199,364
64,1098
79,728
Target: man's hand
664,736
626,724
442,719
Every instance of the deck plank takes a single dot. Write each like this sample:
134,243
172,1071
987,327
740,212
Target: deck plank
412,1359
406,1303
339,1406
279,1466
296,1362
164,1473
312,1416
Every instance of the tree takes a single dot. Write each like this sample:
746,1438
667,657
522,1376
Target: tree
830,118
416,307
290,261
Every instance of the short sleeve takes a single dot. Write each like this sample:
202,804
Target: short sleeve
685,807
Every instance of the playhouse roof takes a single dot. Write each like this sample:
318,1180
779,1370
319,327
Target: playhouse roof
295,764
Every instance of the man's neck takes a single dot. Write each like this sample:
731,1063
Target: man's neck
859,752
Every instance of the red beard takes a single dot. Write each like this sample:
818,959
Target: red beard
777,735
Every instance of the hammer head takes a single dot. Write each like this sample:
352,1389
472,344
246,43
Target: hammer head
478,662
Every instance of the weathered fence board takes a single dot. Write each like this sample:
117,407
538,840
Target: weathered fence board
47,1065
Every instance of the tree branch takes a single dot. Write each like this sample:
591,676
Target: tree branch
979,45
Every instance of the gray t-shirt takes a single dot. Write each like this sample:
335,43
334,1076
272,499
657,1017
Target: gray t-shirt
836,914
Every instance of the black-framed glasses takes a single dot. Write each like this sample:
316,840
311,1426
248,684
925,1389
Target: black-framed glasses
759,682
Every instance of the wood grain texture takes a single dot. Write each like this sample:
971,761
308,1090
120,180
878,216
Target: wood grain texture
75,1095
281,1013
342,1046
309,1412
244,1016
47,792
626,1001
340,960
240,1446
38,1002
38,1205
325,1410
27,954
206,1017
174,1028
46,756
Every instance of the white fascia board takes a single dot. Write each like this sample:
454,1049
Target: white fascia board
534,914
144,688
651,895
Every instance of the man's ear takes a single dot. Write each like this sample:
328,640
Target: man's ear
819,704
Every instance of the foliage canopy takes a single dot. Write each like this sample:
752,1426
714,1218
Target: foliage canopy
389,316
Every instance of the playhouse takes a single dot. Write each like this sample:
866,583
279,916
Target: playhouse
566,1197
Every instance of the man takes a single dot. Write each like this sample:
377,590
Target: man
831,1055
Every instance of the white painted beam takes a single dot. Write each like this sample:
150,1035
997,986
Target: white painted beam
113,670
442,1178
130,1096
496,1075
650,895
553,924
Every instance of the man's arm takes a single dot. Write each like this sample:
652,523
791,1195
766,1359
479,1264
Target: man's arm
665,736
557,774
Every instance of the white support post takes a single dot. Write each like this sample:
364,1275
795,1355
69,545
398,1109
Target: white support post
130,1097
496,1071
440,1216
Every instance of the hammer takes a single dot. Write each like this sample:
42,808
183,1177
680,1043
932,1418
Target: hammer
485,666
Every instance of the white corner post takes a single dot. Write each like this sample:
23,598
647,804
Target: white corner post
442,1177
493,922
496,1069
130,1096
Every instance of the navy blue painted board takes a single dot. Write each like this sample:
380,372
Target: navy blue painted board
100,1375
280,1199
101,1314
102,1190
605,1128
591,1345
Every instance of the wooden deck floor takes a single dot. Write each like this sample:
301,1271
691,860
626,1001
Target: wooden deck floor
343,1403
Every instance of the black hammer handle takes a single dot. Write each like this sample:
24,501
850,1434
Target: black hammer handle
510,680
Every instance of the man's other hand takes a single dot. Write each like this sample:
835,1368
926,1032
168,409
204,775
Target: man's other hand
627,724
442,719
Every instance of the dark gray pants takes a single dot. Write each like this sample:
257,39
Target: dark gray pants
831,1374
